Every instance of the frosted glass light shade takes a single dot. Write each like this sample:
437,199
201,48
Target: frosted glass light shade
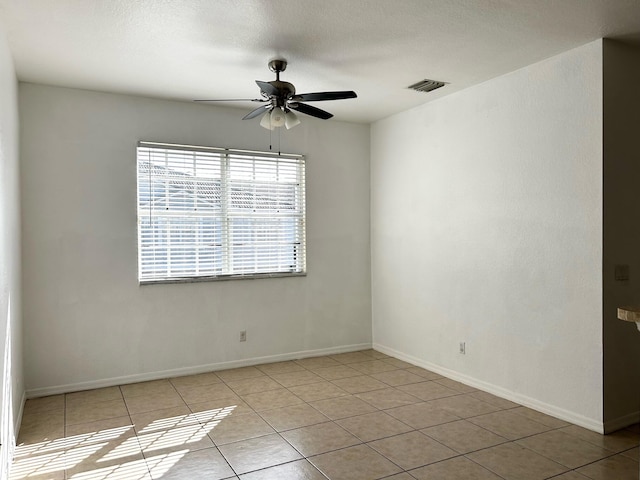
265,121
277,117
290,119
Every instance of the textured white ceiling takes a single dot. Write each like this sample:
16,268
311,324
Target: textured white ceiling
187,49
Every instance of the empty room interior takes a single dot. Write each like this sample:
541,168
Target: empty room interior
422,261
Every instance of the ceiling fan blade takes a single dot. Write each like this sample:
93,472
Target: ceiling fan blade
321,96
309,110
267,88
254,113
234,100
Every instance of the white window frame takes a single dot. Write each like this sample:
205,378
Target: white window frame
255,221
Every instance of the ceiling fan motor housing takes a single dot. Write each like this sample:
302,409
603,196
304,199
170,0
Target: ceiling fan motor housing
285,90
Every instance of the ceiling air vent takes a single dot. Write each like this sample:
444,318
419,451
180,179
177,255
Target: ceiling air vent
426,85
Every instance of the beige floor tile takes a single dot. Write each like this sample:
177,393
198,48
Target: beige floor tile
374,354
616,441
318,391
373,366
499,402
253,385
39,451
539,417
195,380
336,373
279,367
38,418
424,373
41,459
565,449
41,427
364,383
148,403
422,415
373,426
258,453
294,416
463,436
396,378
351,357
298,470
206,464
514,462
633,453
100,431
238,428
342,407
163,419
130,470
429,390
177,439
400,476
464,406
205,393
221,406
509,425
388,398
92,412
52,403
214,416
320,438
103,445
398,363
50,466
356,401
571,476
155,387
241,373
412,450
292,379
271,399
91,396
354,463
98,457
457,386
458,468
313,363
617,467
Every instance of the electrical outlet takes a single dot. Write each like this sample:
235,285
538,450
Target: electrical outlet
463,348
243,336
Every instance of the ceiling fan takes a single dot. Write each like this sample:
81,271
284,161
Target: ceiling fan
279,99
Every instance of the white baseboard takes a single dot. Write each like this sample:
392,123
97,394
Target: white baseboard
524,400
143,377
18,424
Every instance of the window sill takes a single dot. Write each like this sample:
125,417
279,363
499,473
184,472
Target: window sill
219,278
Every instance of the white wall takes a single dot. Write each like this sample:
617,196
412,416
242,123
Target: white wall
486,227
87,321
11,379
621,232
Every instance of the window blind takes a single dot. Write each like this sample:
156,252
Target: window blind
218,213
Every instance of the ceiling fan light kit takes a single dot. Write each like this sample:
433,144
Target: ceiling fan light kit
279,98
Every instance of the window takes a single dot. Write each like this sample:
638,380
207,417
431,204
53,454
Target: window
214,213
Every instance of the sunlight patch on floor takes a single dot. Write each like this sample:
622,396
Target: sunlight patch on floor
166,433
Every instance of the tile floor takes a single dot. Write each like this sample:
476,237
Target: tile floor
360,416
